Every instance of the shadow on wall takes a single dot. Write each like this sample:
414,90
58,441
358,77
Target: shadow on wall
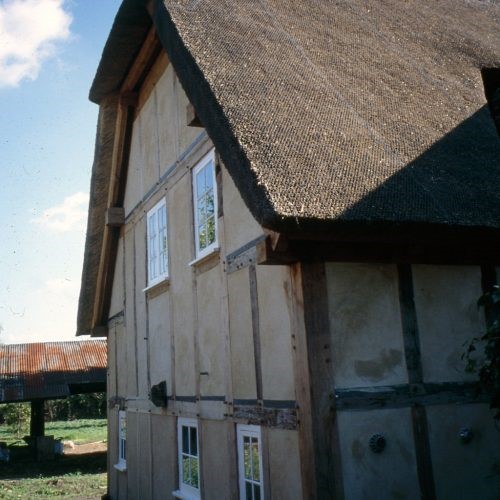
456,181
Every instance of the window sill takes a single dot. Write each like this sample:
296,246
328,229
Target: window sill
205,257
184,495
158,287
121,466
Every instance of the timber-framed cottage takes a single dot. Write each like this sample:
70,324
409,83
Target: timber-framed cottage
294,209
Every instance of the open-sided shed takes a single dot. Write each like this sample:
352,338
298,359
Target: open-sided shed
39,371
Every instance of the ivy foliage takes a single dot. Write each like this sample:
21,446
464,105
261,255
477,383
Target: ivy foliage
487,363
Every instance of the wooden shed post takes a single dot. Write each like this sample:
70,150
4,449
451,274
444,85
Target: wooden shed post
37,423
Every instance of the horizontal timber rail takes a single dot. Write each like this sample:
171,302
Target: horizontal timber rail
398,396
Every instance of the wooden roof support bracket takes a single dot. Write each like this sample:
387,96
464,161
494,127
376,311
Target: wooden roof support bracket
115,216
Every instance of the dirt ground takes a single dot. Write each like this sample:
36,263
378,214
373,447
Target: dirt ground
79,449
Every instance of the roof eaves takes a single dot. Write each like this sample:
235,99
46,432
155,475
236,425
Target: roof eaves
130,28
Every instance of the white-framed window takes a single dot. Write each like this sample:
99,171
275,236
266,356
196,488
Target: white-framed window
250,462
189,458
122,441
205,205
157,243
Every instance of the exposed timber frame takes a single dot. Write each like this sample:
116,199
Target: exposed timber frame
318,429
281,248
128,106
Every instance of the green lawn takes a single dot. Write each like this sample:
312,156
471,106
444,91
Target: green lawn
72,485
78,431
81,476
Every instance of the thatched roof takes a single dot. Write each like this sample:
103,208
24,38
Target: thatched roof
348,118
343,112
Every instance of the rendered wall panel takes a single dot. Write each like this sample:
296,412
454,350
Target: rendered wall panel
147,122
391,474
111,369
159,339
181,284
216,461
140,307
122,366
275,335
133,490
186,134
112,451
144,455
240,227
284,464
130,316
365,324
164,448
240,324
167,120
134,188
211,341
464,471
447,314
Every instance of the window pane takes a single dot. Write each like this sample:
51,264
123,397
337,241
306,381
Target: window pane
200,183
209,180
210,231
185,470
185,439
248,491
194,472
255,459
247,461
193,441
202,237
256,491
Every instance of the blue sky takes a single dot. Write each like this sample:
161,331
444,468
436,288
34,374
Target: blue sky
49,51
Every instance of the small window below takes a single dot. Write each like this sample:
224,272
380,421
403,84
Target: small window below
250,462
122,441
157,243
189,462
205,205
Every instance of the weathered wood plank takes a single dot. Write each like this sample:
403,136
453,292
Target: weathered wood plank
243,257
268,417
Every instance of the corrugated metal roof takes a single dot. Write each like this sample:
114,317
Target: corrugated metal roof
48,370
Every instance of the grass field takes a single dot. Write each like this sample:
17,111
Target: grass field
79,476
78,431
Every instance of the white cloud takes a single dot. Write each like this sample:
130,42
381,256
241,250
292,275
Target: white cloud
29,31
70,215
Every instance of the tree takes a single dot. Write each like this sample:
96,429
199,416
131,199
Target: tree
487,366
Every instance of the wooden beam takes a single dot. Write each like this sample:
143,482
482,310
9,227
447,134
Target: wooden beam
37,422
411,343
143,62
302,382
324,422
314,250
115,217
192,118
405,395
409,324
254,303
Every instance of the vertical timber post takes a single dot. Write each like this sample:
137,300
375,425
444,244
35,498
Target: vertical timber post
311,342
37,422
